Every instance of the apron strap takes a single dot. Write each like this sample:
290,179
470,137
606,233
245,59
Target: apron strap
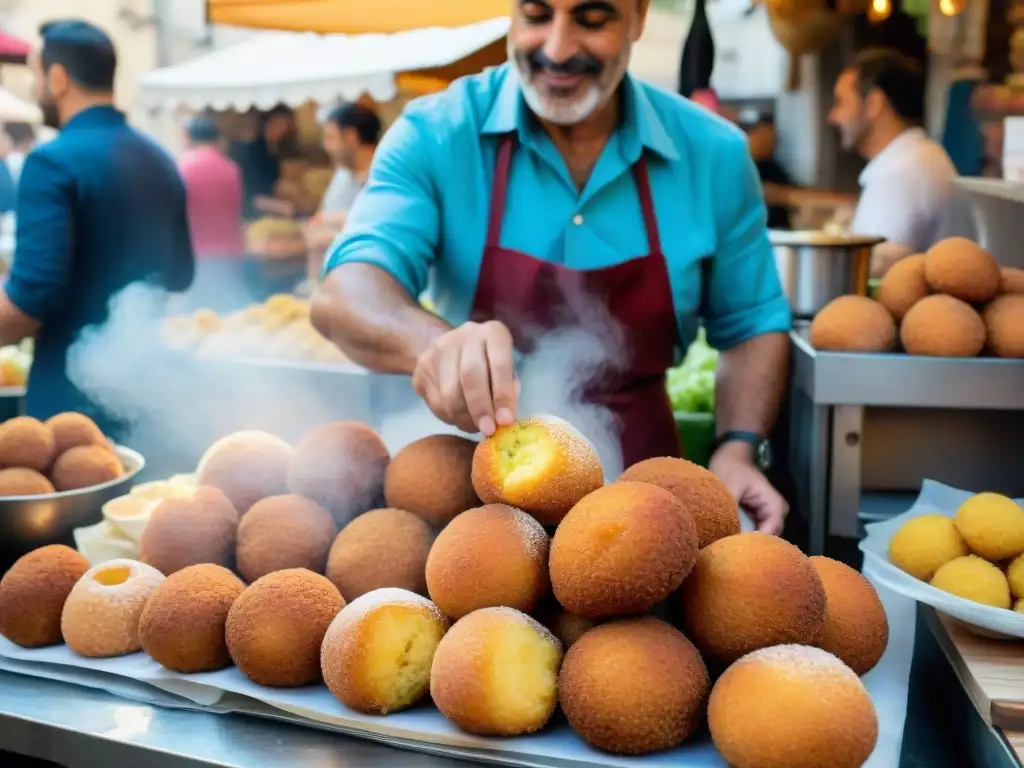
499,189
643,190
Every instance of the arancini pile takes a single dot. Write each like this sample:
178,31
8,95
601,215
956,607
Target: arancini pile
953,301
976,554
65,453
484,611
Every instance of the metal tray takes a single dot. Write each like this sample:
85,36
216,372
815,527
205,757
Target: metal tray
27,522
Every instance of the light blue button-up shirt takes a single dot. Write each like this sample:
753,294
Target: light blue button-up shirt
422,216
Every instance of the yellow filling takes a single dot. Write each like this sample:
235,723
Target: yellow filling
397,664
111,577
523,677
525,453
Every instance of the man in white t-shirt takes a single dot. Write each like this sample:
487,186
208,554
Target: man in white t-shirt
350,136
907,186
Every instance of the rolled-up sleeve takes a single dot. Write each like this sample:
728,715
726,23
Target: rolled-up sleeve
394,223
744,296
41,274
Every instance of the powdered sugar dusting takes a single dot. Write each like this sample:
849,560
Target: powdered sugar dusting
365,604
142,578
803,660
100,620
577,446
532,533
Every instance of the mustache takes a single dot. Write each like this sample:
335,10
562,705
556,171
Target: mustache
580,64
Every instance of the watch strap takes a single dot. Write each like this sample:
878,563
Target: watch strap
738,436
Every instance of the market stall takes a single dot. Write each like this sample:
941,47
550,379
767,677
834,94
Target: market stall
352,16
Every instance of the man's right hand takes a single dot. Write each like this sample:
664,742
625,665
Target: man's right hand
467,377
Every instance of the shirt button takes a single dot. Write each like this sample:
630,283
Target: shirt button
577,219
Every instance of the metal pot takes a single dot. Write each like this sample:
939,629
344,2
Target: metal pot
816,267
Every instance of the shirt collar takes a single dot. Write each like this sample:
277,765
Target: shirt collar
893,149
641,127
91,117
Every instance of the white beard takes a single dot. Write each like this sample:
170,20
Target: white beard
560,113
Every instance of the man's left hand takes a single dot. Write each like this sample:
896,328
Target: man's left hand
733,464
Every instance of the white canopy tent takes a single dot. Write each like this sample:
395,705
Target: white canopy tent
16,110
294,67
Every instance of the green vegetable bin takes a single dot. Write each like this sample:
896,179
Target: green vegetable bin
697,433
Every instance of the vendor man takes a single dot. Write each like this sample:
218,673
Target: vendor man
99,208
555,177
907,185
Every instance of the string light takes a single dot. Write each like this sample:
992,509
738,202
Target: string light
952,7
880,10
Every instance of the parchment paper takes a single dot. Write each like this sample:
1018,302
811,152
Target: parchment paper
120,676
935,499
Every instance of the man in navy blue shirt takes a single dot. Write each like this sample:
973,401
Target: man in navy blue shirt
99,208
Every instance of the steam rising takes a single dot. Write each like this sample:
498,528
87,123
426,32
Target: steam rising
178,404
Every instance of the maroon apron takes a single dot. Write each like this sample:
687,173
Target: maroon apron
532,296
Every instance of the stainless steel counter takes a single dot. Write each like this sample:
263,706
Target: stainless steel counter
954,420
83,728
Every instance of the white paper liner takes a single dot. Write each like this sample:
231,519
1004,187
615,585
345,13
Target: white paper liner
935,499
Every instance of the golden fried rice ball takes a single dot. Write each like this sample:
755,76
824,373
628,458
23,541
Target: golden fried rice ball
85,466
1012,280
542,465
903,286
973,578
621,550
992,525
101,615
28,443
496,673
856,627
1015,576
247,466
377,653
282,532
703,495
73,429
341,467
923,544
943,326
432,478
792,706
33,591
489,556
276,626
1004,324
380,548
182,625
189,531
962,268
750,591
17,481
633,686
853,324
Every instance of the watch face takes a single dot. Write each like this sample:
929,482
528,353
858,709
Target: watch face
763,452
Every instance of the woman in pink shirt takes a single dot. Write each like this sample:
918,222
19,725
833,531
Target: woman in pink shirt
214,185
